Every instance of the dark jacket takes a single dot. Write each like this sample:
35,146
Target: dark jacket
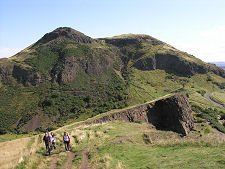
46,139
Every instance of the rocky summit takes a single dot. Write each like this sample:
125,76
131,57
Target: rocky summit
67,76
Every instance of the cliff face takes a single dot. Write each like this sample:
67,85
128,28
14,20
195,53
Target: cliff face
26,76
5,70
93,64
174,64
172,113
147,53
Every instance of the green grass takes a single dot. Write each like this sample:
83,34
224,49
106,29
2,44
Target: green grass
161,154
147,85
121,145
218,97
10,136
141,156
22,164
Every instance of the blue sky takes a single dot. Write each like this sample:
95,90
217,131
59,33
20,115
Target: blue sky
194,26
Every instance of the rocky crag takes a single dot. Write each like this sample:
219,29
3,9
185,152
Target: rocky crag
171,113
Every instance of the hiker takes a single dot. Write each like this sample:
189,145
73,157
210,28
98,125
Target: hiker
47,142
53,140
66,140
50,143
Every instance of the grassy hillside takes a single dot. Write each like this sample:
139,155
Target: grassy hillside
156,83
218,97
121,145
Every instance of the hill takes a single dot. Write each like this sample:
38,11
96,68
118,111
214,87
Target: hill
101,142
67,76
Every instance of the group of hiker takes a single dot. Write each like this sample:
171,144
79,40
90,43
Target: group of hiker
50,141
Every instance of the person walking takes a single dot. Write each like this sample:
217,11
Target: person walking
50,144
47,141
66,140
53,140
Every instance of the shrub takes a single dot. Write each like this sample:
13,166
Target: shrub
202,92
210,115
138,121
3,131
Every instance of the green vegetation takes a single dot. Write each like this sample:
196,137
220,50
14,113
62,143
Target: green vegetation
121,145
76,81
44,59
58,102
218,97
209,115
12,136
125,148
75,77
95,94
22,164
148,85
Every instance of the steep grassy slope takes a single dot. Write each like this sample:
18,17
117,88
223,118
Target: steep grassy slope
67,76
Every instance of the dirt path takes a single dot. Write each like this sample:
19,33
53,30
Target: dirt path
85,164
69,161
54,162
208,98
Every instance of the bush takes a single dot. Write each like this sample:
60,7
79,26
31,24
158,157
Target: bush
202,92
3,131
209,78
138,121
210,115
187,94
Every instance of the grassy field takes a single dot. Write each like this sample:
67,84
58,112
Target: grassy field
218,97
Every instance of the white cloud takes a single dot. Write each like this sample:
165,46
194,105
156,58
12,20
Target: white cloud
8,52
210,45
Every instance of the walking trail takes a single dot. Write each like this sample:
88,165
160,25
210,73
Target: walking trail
85,164
69,161
54,162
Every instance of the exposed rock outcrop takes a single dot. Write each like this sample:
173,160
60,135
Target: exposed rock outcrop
148,53
6,69
27,76
176,65
92,65
172,113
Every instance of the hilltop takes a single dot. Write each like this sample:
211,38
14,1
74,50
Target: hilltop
67,76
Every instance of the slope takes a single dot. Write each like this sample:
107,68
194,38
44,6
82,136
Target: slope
67,76
122,145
